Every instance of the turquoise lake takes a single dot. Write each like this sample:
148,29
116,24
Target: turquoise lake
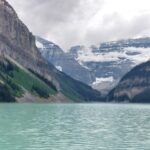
74,127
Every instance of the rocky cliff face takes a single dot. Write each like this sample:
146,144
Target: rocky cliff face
18,42
134,86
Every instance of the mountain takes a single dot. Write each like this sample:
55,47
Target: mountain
63,62
134,87
110,61
25,74
100,66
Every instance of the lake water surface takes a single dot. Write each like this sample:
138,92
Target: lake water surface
74,127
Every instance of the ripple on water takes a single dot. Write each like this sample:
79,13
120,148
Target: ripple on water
74,127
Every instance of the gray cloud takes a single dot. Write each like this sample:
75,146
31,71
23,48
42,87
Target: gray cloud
115,27
71,22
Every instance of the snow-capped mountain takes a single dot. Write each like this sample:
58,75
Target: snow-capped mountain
110,61
63,62
100,66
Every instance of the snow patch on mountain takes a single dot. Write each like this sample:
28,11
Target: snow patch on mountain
101,80
59,68
104,84
136,55
39,45
142,54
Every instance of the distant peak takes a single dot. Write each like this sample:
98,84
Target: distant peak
7,6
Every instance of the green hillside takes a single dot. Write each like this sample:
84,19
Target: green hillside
14,81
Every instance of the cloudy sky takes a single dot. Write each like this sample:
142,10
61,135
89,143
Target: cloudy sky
74,22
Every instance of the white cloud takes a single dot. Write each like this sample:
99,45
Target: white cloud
71,22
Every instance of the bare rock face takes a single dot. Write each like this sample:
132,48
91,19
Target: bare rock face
134,86
18,42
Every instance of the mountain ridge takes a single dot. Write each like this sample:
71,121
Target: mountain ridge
134,87
18,43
